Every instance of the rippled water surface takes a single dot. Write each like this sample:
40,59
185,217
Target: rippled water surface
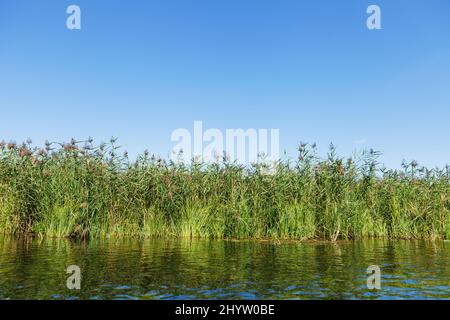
200,269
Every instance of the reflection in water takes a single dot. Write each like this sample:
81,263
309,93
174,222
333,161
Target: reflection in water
201,269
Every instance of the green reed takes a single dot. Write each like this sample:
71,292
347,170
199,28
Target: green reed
81,190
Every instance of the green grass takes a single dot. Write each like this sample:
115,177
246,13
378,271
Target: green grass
70,190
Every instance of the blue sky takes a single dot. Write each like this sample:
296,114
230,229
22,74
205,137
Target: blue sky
140,69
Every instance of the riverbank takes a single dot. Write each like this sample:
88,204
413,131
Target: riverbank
80,190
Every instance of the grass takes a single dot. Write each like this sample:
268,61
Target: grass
81,191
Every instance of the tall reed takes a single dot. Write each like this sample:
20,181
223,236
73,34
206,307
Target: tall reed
81,190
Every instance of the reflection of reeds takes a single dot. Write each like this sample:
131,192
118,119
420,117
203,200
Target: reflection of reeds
81,190
206,269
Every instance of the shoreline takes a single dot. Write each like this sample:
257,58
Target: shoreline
236,240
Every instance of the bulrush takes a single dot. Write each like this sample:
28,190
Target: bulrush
70,147
24,151
12,145
78,189
41,152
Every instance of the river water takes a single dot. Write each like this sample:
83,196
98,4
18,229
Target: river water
202,269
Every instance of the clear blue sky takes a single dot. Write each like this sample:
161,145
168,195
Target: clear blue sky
140,69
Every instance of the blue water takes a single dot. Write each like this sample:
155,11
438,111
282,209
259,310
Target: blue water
201,269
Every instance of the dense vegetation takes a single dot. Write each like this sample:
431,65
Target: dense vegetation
81,190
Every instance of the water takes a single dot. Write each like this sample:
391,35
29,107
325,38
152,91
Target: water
201,269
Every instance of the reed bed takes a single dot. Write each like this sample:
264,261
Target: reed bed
80,190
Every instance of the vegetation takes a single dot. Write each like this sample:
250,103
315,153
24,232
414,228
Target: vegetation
81,190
